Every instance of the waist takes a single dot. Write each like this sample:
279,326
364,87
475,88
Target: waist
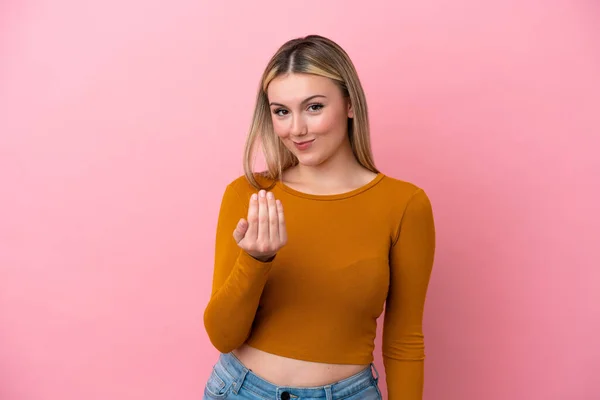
238,376
292,372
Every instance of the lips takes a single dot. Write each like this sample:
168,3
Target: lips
303,145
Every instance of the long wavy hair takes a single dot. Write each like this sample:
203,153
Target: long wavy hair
316,55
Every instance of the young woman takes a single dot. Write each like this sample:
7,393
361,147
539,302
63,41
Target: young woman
310,250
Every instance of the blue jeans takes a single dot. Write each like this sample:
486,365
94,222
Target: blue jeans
230,379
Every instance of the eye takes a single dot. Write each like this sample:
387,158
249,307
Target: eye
315,107
280,112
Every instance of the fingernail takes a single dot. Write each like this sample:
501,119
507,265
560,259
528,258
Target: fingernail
262,193
254,196
270,195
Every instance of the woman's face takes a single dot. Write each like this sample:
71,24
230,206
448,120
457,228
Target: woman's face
310,116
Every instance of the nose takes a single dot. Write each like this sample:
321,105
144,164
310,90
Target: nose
298,127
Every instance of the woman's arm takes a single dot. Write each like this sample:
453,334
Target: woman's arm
238,280
411,262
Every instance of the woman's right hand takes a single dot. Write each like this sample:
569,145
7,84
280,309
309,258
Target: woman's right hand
263,233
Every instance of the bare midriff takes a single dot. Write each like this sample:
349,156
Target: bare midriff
284,371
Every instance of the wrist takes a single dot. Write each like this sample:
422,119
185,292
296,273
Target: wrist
264,259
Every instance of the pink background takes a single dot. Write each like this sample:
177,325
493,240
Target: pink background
122,121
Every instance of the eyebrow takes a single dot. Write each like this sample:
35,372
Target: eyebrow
303,101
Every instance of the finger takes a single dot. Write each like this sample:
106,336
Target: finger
253,217
263,217
273,218
240,230
281,220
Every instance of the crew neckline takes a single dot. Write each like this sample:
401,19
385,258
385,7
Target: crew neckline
336,196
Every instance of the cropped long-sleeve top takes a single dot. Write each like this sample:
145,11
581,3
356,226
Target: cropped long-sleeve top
348,257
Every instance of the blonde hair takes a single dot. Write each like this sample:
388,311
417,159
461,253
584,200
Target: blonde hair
316,55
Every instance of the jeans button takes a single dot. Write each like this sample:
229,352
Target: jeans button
285,396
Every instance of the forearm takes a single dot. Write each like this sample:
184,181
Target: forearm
231,310
404,379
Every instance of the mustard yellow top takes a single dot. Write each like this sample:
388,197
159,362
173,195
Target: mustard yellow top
319,299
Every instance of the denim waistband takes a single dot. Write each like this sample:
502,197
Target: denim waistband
243,377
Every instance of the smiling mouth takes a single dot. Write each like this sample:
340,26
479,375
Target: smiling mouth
305,145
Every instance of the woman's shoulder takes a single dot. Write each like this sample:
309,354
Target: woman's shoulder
243,186
406,196
400,187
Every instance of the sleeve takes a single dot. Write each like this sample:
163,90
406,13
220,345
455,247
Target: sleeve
238,281
411,262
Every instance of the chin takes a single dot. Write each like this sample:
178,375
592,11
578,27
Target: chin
310,160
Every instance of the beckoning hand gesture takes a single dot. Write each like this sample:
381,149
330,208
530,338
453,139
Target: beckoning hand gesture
263,233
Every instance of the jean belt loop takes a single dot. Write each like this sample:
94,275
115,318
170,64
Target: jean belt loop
376,372
328,394
237,384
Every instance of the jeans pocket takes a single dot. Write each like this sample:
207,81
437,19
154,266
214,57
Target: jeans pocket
216,386
369,393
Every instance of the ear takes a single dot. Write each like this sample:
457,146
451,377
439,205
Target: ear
350,109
